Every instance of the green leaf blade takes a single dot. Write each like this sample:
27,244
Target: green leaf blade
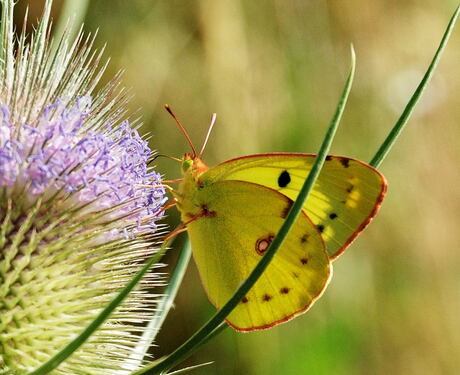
404,118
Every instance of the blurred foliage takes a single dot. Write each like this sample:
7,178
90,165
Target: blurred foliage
273,70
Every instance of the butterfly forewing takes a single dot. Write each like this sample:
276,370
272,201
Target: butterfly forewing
344,199
239,222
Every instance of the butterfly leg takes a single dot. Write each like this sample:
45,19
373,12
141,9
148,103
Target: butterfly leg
182,227
174,233
172,181
155,186
168,205
205,212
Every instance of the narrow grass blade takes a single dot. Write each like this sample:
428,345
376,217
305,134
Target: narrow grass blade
218,330
213,324
60,357
402,121
190,368
164,305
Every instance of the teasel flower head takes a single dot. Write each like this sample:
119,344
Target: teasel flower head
78,205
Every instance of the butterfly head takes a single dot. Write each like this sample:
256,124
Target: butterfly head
193,164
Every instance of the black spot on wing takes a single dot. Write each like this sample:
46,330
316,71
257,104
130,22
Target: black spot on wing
320,228
286,209
284,179
284,290
266,297
245,300
304,238
332,216
345,162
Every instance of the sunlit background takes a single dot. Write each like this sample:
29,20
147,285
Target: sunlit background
273,71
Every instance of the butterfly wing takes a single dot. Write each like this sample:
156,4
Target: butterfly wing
236,223
346,196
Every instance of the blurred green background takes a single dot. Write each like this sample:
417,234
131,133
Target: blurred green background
273,71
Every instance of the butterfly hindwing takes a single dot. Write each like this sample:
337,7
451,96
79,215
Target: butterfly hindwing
238,221
344,199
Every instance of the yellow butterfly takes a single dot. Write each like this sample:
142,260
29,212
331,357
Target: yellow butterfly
233,211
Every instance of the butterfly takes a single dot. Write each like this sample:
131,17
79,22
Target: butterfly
233,211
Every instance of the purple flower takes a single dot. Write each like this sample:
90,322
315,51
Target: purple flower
98,169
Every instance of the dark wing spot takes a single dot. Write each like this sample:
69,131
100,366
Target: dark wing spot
284,179
320,228
245,300
304,260
266,297
345,162
284,290
328,157
304,238
350,189
332,216
286,209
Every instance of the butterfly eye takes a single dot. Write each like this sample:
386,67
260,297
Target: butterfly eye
186,165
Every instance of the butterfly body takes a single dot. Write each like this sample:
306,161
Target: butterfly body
233,211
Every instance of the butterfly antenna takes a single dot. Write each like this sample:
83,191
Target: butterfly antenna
184,132
213,121
163,156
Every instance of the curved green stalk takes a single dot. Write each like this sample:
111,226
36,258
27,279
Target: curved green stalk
163,307
402,121
60,357
211,327
216,331
189,368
